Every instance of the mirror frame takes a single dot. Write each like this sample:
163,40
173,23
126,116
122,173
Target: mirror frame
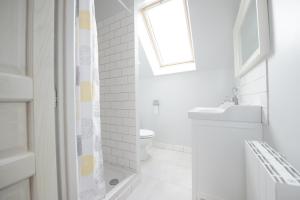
263,49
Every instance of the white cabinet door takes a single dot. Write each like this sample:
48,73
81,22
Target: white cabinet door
27,129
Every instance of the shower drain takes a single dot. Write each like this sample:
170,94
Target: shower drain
114,181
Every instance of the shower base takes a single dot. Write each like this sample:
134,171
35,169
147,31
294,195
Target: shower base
119,182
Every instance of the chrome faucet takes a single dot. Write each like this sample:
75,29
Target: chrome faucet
235,98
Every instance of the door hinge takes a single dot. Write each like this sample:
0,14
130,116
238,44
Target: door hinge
55,97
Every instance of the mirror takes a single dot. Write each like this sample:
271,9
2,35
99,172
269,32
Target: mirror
251,35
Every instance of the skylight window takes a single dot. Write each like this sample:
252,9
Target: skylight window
167,36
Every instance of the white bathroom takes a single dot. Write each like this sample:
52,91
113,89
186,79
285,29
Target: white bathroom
149,100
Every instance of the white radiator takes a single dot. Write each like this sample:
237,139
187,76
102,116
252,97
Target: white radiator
269,175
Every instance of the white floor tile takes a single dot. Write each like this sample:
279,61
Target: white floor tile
167,175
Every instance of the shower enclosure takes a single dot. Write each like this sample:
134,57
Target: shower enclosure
115,22
100,160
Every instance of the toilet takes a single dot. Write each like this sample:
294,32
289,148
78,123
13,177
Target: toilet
146,137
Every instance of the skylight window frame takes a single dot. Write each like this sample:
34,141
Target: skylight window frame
151,34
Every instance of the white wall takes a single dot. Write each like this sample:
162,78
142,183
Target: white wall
177,94
253,89
212,23
282,80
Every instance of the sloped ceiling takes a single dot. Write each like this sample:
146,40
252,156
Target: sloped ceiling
107,8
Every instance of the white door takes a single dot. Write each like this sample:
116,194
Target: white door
27,129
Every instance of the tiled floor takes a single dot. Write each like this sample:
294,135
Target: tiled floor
167,175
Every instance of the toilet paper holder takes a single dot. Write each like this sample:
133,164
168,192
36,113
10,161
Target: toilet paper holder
155,107
155,102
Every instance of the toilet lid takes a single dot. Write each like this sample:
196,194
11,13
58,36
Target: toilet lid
144,133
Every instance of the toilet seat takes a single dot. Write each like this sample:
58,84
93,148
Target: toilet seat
144,134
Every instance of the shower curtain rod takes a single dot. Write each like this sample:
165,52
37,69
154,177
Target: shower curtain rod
124,5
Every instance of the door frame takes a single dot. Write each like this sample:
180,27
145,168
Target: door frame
36,89
48,89
41,117
65,91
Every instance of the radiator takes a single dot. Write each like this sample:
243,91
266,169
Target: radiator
269,175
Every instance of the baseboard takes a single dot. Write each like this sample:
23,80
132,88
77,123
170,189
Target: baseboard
172,147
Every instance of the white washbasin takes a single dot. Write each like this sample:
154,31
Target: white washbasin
228,112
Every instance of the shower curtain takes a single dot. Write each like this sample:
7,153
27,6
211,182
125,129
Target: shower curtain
89,152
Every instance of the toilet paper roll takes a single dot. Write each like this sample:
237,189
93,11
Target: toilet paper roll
156,109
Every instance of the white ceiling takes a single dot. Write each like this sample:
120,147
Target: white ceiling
107,8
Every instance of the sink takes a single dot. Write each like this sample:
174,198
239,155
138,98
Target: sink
228,112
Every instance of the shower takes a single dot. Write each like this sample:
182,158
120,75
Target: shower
115,26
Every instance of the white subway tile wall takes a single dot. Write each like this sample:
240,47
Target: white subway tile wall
117,89
253,88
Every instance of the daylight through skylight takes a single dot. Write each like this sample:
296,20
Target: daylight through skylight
168,27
